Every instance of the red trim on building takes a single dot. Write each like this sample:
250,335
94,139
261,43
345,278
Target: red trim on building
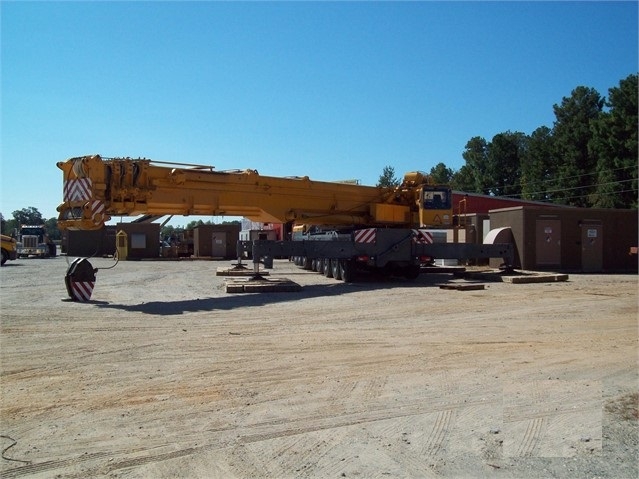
476,203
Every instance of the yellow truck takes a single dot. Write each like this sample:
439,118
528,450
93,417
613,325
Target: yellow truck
9,248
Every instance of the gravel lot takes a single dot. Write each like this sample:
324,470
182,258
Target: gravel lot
163,374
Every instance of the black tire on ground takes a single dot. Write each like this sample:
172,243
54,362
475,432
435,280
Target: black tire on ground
320,265
5,257
412,272
347,270
337,272
328,271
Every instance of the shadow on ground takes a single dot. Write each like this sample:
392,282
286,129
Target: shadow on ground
244,300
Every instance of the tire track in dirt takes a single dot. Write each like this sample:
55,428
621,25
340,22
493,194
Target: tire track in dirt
431,412
308,386
546,418
254,434
439,434
529,444
425,446
53,465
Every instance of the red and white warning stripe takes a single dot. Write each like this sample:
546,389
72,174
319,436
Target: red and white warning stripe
82,290
422,237
77,190
97,211
367,235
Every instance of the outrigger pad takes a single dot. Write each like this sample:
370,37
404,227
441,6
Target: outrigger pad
80,279
261,285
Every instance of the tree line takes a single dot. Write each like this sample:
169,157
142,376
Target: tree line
587,159
29,216
169,231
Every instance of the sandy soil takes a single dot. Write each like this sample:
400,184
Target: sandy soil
163,374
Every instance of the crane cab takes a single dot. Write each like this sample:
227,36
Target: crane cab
435,207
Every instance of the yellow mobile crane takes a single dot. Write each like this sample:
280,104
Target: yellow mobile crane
346,226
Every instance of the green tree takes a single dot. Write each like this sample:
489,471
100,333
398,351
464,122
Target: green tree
614,144
28,216
537,165
504,155
167,231
51,226
476,156
9,227
192,224
440,174
572,133
388,178
463,180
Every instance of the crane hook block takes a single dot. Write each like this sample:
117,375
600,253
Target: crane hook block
80,280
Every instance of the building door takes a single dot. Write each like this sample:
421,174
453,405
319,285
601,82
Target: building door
219,244
591,247
548,242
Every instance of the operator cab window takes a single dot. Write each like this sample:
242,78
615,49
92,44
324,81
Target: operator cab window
436,199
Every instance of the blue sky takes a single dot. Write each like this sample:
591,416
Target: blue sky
333,90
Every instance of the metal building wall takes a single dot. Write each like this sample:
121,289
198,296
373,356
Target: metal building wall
205,235
143,239
582,231
89,243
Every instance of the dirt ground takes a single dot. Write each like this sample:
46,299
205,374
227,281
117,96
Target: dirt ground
163,374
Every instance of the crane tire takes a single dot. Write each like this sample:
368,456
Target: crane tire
337,271
328,270
347,270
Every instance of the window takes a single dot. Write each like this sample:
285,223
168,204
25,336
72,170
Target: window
138,241
437,199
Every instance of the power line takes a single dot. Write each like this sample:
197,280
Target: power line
571,188
609,193
580,175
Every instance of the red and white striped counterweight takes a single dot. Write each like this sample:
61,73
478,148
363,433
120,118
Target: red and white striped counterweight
80,280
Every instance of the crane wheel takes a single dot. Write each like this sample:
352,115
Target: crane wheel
337,271
412,272
347,270
328,270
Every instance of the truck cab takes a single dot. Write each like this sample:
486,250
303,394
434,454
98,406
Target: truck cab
34,241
